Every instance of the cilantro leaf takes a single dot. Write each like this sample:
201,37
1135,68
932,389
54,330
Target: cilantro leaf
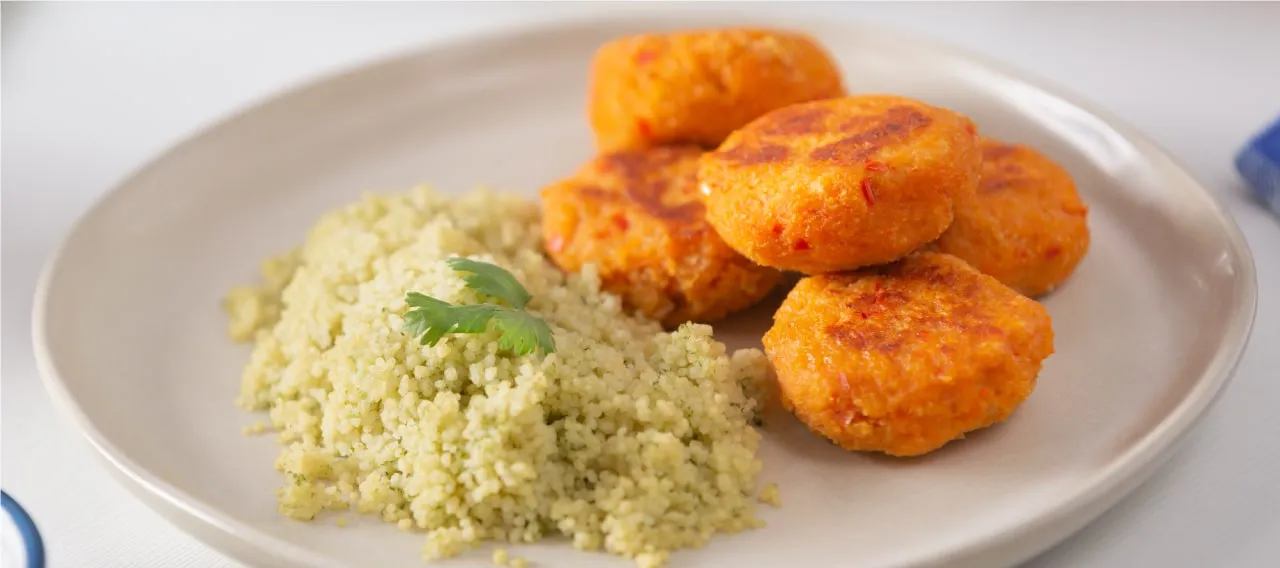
491,280
523,333
415,323
472,319
419,300
437,319
429,319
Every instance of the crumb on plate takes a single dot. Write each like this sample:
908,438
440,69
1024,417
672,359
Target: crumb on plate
771,495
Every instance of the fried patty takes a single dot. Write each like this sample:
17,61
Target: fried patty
1026,224
697,86
638,217
839,184
903,358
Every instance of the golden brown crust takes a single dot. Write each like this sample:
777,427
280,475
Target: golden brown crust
840,184
906,357
638,217
1026,224
697,86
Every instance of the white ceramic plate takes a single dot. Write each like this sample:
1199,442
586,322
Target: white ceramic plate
130,337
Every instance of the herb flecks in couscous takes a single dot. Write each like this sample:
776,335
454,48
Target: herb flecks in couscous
626,438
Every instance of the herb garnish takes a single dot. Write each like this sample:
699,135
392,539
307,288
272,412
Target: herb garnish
430,319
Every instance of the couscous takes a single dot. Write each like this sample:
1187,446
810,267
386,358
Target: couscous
626,438
771,495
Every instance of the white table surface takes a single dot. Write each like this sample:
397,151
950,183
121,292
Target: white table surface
91,92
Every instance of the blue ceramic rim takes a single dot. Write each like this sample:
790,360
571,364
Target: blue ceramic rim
30,534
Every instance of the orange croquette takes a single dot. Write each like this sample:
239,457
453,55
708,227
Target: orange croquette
697,86
1026,224
638,217
839,184
903,358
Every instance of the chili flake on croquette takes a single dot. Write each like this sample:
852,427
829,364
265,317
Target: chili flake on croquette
637,216
1026,225
906,357
839,184
697,86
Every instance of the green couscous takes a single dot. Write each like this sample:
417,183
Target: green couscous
626,438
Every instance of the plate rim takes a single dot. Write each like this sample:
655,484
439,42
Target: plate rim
1077,509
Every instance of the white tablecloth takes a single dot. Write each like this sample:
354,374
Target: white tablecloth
91,92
